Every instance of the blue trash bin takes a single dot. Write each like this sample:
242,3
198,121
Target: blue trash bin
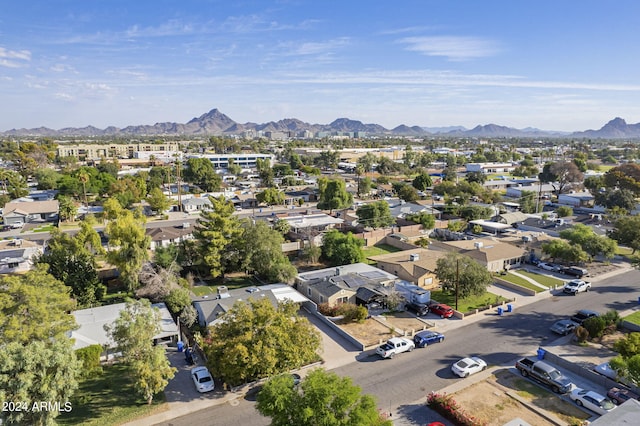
509,308
500,311
541,353
180,346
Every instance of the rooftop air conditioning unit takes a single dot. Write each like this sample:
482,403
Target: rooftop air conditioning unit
478,245
414,257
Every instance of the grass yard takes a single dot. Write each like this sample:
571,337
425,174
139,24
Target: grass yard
108,399
470,303
377,250
634,318
522,282
230,282
624,251
545,280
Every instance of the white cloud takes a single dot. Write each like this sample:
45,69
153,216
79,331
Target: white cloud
14,58
454,48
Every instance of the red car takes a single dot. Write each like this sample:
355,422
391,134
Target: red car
441,309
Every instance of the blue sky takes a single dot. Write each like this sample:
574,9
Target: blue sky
553,65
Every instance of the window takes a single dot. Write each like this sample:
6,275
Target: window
309,291
321,299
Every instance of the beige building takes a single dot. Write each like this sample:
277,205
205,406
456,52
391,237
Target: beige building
417,266
495,255
96,152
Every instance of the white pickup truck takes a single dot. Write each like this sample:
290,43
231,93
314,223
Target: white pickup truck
394,346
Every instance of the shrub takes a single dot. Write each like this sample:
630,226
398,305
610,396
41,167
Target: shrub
328,311
90,357
178,299
582,334
595,326
449,408
353,312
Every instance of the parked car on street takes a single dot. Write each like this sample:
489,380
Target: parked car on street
544,373
575,271
394,346
444,311
563,327
592,400
576,286
549,267
606,370
467,366
202,379
582,315
420,309
427,337
621,395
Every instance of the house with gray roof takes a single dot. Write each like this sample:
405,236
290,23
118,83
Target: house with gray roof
341,284
210,308
22,212
16,255
195,204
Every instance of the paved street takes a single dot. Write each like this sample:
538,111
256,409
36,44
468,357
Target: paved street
401,384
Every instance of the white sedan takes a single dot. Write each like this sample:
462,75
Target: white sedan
592,400
548,267
467,366
202,379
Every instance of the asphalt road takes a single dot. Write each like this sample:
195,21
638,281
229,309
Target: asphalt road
398,383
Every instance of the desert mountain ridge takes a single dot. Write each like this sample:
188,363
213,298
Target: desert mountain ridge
216,123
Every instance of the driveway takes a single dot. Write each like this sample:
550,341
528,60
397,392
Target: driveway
181,388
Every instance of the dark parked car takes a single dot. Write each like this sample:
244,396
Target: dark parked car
427,337
620,395
582,315
575,271
420,309
563,327
445,311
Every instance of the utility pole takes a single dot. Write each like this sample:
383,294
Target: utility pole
178,166
457,280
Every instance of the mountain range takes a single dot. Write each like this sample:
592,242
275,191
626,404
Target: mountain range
215,122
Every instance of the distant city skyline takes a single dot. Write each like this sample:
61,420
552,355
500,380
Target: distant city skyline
564,66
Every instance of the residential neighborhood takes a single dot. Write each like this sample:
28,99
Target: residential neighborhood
193,259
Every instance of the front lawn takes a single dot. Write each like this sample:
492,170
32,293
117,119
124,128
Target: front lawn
108,399
514,279
634,318
470,303
545,280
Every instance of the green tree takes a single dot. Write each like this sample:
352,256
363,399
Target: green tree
13,184
34,372
528,202
328,159
133,333
216,229
422,182
333,194
462,274
368,161
612,198
561,175
178,299
260,251
128,190
294,161
67,209
626,231
47,178
200,171
342,249
563,250
256,340
375,215
158,201
265,172
564,211
427,220
72,262
270,197
282,226
322,398
34,306
589,241
478,177
130,245
408,193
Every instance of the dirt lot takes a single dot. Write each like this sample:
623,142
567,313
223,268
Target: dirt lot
371,331
488,401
